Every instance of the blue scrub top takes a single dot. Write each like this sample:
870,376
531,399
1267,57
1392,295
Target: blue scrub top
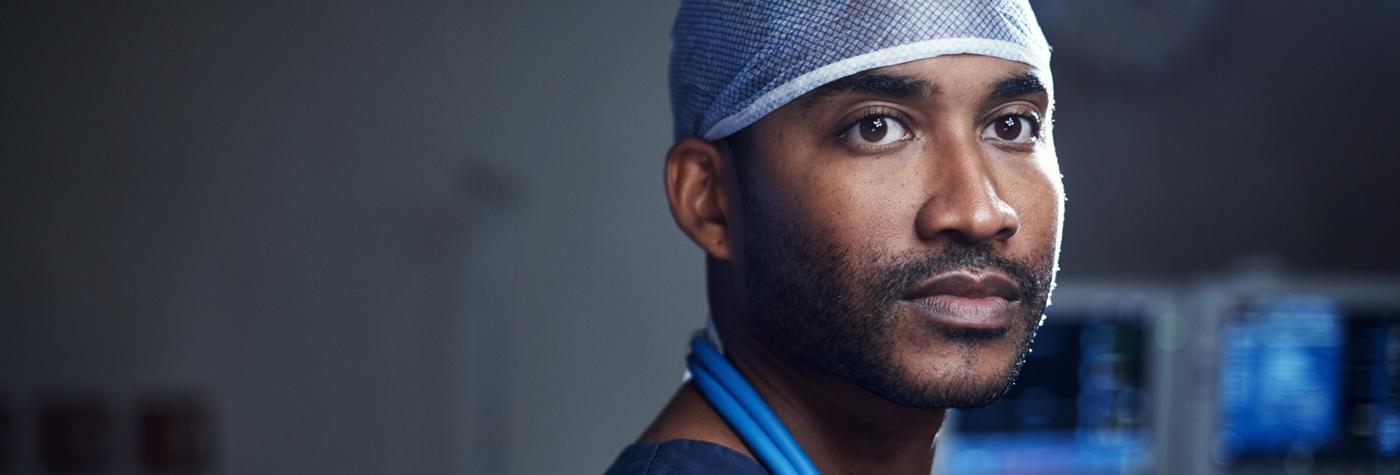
682,457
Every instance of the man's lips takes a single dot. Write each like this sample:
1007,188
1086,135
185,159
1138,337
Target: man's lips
966,284
967,299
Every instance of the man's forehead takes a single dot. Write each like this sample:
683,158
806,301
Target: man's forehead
998,79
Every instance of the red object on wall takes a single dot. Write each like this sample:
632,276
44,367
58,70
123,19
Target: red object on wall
174,434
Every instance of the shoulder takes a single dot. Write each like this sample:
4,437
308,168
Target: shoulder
682,457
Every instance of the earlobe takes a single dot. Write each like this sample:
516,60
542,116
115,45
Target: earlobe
695,189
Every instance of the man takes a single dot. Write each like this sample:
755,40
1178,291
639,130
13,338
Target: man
876,190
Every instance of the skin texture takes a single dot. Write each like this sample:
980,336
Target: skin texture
847,198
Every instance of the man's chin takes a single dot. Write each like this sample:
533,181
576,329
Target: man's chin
962,373
963,390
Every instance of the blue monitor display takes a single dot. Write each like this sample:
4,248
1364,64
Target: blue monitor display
1308,378
1279,377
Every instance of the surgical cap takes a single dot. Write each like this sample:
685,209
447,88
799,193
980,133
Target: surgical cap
735,61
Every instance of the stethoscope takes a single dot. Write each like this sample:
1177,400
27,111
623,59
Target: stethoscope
740,405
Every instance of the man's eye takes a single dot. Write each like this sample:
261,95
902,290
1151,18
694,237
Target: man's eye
877,130
1015,128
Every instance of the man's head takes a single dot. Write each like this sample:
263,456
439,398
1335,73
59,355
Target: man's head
896,226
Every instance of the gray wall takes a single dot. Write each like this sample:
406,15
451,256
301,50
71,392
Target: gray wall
276,206
1268,132
297,211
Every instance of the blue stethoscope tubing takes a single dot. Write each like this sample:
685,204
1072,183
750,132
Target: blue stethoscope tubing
741,406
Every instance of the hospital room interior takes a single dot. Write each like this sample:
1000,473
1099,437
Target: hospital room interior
432,237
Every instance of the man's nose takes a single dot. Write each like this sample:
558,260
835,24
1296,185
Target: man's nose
963,203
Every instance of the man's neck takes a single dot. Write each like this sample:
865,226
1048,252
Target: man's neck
843,428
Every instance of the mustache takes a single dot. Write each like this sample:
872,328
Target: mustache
896,278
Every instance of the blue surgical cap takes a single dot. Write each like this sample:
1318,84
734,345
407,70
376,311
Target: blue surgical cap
735,61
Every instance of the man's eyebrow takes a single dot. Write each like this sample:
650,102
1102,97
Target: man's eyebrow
871,82
1023,84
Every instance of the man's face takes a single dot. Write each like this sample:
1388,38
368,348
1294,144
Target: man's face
900,227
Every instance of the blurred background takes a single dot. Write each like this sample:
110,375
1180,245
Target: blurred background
430,237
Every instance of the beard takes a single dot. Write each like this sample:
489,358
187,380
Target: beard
836,310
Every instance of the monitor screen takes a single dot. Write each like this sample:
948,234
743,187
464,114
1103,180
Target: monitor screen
1308,378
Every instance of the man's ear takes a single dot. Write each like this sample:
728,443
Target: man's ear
695,186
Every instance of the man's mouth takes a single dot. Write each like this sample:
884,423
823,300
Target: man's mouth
967,298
